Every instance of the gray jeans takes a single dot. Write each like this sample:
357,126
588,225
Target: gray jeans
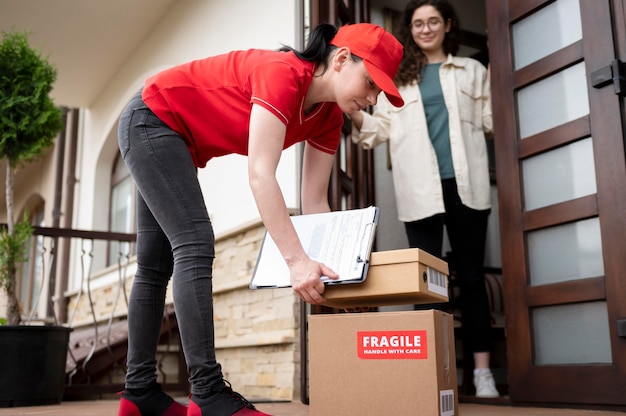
174,239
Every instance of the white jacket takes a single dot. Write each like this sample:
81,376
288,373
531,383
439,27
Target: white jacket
466,90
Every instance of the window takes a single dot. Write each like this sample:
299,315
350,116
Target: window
31,278
122,217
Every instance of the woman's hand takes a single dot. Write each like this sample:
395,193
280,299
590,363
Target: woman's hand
265,145
357,119
306,279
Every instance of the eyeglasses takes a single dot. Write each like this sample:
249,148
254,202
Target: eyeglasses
433,24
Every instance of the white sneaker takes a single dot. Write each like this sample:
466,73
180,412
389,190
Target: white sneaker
485,384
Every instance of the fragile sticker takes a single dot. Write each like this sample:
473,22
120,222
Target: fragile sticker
392,345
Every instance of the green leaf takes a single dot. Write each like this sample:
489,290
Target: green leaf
13,249
29,120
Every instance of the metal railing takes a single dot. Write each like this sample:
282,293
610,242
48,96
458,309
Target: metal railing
98,344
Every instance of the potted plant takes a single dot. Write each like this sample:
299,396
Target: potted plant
29,123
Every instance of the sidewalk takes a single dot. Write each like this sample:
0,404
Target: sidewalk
109,408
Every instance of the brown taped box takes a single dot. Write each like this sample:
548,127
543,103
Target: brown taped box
395,277
382,363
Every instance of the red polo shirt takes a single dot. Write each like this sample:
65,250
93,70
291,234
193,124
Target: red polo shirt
208,102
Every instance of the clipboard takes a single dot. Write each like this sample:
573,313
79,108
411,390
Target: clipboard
342,240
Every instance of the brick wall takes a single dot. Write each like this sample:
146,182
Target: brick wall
256,331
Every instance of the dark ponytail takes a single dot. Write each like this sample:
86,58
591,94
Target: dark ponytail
318,47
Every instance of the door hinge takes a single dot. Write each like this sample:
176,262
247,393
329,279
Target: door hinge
614,73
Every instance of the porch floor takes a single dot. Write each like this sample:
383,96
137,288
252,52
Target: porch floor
109,407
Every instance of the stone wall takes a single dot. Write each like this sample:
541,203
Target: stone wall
256,331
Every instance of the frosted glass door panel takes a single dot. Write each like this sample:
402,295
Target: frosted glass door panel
553,101
342,153
559,175
565,252
545,32
572,334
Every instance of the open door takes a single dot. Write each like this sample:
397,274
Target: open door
558,85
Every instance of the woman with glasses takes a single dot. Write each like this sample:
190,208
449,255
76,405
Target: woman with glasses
439,158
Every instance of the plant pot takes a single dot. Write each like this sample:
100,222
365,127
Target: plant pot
32,364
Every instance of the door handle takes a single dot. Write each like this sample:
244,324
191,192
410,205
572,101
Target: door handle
621,328
614,73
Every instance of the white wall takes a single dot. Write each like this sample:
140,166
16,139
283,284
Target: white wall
192,29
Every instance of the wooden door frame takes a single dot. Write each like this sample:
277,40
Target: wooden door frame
527,382
356,182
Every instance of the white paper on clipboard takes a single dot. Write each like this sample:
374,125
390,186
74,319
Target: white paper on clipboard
342,240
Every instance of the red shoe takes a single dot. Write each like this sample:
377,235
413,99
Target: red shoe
224,402
249,412
129,408
176,409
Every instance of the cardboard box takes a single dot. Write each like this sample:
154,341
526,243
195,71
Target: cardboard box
382,364
395,277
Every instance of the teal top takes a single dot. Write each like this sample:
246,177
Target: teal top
437,118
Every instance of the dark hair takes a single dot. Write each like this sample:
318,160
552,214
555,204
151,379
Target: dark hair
318,47
413,59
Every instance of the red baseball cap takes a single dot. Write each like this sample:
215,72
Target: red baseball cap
381,53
